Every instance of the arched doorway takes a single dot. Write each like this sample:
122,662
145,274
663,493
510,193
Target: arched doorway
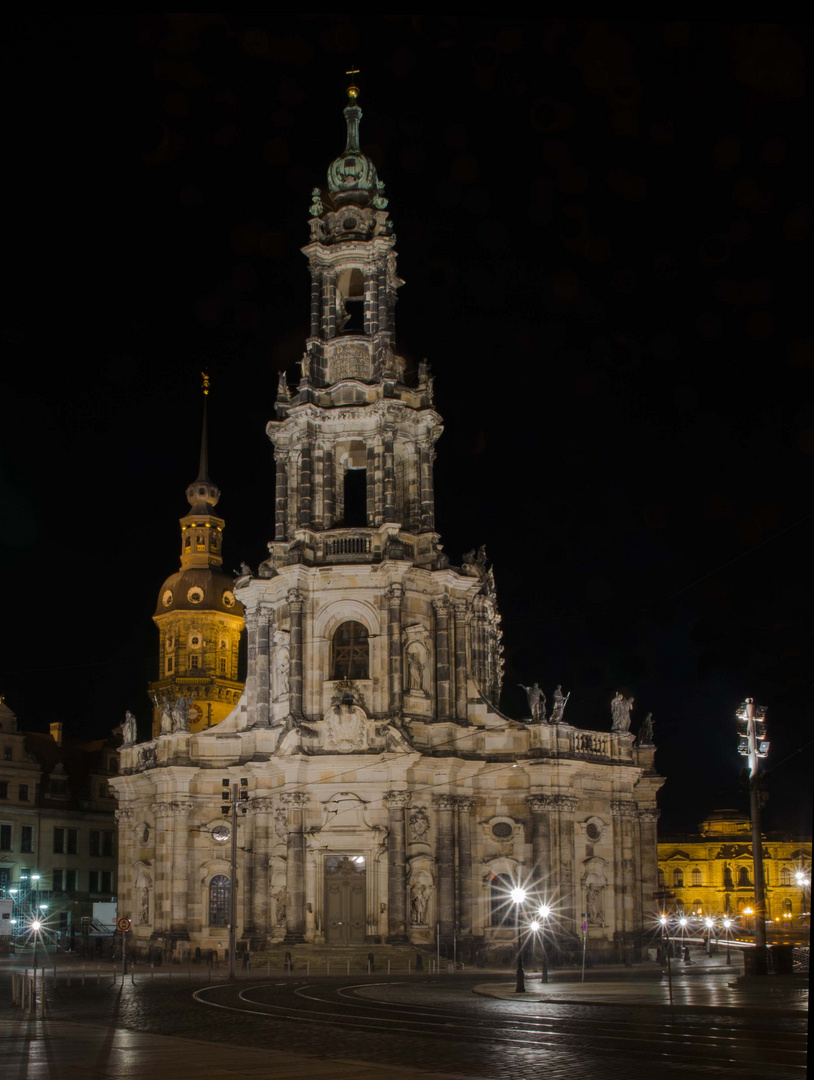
345,890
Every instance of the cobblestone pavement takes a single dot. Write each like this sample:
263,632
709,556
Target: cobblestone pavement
439,1026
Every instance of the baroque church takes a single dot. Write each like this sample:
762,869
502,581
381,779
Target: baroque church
388,800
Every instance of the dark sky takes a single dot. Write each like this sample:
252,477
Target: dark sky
604,230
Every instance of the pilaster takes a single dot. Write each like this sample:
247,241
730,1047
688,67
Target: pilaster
396,803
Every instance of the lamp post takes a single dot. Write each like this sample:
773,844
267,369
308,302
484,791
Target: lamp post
666,934
710,924
518,896
233,796
804,884
544,913
727,928
754,746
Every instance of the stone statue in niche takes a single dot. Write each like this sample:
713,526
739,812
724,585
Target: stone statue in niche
595,905
281,823
620,712
281,665
129,733
279,900
419,900
419,825
415,671
144,906
537,702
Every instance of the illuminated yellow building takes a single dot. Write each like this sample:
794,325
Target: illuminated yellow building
198,618
711,872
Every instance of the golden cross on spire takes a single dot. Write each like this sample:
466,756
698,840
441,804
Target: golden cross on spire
353,91
205,382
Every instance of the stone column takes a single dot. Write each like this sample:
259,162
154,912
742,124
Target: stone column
162,899
329,304
281,495
466,805
295,866
261,809
316,293
259,716
459,607
445,864
305,486
179,927
370,484
649,859
125,886
396,803
371,302
427,517
564,807
328,489
394,597
442,669
296,604
622,811
389,480
251,621
542,875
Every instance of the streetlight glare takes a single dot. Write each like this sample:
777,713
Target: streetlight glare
518,895
534,926
543,911
36,926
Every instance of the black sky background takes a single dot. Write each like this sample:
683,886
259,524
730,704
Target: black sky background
604,230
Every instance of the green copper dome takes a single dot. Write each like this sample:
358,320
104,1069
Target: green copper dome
352,176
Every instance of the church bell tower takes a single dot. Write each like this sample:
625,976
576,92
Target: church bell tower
198,618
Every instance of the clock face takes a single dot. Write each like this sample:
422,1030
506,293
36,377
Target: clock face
195,595
194,713
228,599
221,833
166,599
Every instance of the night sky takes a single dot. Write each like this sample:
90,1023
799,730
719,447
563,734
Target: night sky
604,230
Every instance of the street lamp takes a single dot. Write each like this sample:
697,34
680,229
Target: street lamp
518,897
804,884
544,913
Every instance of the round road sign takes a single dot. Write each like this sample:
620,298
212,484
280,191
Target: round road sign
123,924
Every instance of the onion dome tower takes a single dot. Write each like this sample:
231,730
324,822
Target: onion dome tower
198,618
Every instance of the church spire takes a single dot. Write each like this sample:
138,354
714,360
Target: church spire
203,467
202,494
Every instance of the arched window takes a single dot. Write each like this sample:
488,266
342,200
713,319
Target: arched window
785,876
350,653
678,879
502,908
787,907
728,882
696,876
697,907
743,877
662,881
220,892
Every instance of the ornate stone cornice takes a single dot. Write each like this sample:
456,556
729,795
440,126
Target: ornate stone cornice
250,618
123,815
397,800
294,799
623,808
649,814
444,802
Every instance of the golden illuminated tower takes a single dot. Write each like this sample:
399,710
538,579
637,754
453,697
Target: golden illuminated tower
198,618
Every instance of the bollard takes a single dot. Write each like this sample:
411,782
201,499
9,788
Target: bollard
348,967
170,970
98,975
308,968
14,988
133,975
388,967
328,967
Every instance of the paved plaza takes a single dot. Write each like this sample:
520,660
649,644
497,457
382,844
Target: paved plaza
616,1024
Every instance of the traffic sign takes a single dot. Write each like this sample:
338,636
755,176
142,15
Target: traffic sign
123,924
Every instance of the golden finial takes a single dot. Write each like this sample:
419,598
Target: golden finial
205,382
353,91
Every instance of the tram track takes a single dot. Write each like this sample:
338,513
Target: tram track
687,1042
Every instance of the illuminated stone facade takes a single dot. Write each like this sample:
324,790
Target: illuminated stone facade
711,871
387,794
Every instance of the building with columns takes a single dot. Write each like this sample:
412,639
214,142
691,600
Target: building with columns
387,797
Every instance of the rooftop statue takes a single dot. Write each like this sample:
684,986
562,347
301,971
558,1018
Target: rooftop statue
620,711
537,702
129,732
645,736
560,701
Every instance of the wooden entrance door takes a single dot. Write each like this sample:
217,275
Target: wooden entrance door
345,899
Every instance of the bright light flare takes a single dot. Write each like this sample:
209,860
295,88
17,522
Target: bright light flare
682,921
518,895
36,926
544,911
